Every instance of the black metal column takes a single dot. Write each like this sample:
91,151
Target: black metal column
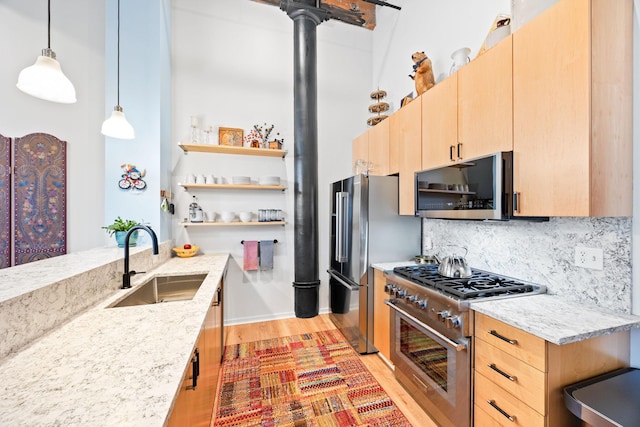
305,18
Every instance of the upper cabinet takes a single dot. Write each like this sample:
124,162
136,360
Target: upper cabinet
468,114
440,123
406,134
485,104
373,147
572,89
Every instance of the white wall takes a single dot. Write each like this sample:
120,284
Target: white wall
77,37
233,67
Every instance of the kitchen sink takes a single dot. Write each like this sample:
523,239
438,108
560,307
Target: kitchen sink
163,289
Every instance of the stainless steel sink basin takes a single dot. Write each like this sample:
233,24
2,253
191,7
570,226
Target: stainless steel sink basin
163,289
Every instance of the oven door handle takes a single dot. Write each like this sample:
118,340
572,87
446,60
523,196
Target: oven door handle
457,346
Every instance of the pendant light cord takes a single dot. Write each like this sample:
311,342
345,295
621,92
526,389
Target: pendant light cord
49,25
118,52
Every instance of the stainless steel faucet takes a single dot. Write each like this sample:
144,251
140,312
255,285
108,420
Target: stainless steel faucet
126,277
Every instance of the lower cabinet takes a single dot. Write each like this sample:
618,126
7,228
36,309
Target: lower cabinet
519,378
381,317
195,402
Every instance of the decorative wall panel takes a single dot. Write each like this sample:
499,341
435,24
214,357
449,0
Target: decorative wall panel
5,201
39,197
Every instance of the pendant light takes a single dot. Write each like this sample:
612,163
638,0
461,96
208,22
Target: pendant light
45,79
117,125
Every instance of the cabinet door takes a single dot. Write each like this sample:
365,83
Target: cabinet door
379,149
485,103
440,123
551,112
360,149
406,133
381,317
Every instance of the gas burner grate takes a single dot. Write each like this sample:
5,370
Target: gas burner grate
480,285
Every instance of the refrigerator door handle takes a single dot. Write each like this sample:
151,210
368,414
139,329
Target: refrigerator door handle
341,226
349,286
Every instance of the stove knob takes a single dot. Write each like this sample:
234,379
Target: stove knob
452,322
443,315
411,298
401,293
389,288
420,303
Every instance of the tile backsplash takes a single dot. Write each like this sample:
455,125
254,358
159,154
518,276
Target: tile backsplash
544,252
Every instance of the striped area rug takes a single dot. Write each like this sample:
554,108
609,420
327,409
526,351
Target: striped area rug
314,379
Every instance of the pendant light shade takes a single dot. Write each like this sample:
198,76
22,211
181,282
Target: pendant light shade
45,79
117,125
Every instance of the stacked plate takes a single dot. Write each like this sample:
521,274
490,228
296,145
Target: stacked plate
240,180
269,180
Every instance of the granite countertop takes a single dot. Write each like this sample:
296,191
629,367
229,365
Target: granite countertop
388,266
554,319
111,366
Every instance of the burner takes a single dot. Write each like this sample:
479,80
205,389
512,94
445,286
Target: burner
480,285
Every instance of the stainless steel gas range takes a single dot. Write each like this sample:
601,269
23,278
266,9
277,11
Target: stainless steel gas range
431,334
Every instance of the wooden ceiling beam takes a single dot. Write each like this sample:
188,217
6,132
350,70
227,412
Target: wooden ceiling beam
354,12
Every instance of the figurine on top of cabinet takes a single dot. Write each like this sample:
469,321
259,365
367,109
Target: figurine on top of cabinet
422,73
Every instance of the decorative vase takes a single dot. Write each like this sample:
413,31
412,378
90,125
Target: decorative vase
460,57
133,239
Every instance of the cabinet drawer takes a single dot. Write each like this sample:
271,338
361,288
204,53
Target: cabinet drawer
514,341
500,405
521,380
482,419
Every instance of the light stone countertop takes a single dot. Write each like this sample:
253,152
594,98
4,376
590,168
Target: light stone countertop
554,319
111,367
387,266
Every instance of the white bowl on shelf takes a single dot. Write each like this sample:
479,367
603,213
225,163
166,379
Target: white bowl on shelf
240,180
245,216
269,180
227,216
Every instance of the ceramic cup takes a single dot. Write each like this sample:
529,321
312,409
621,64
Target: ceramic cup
200,179
190,179
209,179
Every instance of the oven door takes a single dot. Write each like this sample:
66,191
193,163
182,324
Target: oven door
433,368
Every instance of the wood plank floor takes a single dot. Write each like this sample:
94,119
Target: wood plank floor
285,327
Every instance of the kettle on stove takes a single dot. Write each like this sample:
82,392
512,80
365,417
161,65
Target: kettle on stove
195,211
454,265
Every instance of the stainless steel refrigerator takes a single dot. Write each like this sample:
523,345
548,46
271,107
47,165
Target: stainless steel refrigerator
365,229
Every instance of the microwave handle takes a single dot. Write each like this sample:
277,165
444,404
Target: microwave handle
341,226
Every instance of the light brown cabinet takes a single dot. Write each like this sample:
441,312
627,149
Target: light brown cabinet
406,134
382,317
519,378
572,88
194,405
373,147
468,114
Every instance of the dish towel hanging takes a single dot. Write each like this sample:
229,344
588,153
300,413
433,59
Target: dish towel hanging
266,254
250,255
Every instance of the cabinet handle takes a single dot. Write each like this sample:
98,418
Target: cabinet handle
451,153
516,198
195,370
503,338
502,411
459,150
216,302
501,372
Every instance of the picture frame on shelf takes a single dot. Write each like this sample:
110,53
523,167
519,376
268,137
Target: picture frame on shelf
230,136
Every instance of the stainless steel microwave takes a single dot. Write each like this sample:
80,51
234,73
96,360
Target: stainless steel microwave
480,188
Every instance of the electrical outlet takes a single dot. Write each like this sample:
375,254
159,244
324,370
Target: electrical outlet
589,258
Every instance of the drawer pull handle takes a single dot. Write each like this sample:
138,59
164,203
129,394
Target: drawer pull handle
502,411
501,372
503,338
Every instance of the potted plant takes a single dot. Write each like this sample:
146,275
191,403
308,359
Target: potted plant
119,227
